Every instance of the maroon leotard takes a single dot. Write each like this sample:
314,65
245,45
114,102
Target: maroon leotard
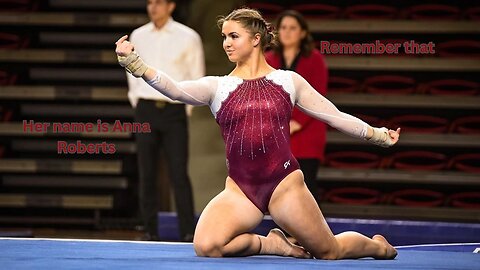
254,117
254,120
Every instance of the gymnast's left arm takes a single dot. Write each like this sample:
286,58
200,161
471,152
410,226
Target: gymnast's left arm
311,102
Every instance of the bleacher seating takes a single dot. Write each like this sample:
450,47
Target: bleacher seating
20,5
433,12
370,12
57,64
389,84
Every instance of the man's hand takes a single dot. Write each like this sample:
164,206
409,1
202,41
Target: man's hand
294,126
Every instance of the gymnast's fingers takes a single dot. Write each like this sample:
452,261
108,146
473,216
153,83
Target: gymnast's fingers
394,134
121,40
124,47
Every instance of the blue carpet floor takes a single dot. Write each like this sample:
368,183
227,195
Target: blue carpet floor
80,254
398,232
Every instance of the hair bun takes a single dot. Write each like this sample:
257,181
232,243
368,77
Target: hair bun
270,28
252,20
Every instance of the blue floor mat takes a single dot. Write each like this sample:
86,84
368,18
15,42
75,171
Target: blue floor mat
398,232
80,254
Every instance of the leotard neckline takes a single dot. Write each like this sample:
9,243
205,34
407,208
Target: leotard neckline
254,79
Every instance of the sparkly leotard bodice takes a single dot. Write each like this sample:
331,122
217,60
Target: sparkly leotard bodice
254,119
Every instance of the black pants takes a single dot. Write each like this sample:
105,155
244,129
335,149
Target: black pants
168,124
309,168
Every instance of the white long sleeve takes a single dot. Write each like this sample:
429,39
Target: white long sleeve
193,92
174,49
312,103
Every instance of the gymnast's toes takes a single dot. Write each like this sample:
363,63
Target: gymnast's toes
390,252
286,248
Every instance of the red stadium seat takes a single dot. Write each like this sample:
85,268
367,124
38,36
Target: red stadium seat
466,125
5,114
12,41
420,123
452,87
466,162
390,84
419,160
19,5
7,78
353,159
338,84
417,198
473,13
267,9
318,11
353,195
433,12
370,12
459,48
465,199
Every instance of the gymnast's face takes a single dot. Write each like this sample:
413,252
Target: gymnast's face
238,43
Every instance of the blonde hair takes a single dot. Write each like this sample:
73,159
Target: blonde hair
253,22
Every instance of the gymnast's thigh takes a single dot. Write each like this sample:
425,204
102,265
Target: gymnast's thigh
294,209
226,216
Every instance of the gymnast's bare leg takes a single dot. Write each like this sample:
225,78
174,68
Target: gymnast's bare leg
294,209
224,226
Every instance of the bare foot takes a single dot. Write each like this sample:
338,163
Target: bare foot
390,251
293,240
278,244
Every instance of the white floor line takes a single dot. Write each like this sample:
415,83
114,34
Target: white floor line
94,240
437,245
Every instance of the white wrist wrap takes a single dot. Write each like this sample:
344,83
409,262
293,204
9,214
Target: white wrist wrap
133,64
381,137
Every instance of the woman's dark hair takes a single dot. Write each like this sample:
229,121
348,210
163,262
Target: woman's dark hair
253,22
307,43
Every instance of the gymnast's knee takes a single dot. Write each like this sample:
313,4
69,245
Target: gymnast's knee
329,255
332,253
207,248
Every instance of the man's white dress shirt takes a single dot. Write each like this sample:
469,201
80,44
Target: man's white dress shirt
174,49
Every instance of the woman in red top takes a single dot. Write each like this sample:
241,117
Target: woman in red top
296,52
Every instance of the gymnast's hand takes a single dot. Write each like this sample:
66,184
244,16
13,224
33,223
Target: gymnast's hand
124,47
394,135
128,58
382,136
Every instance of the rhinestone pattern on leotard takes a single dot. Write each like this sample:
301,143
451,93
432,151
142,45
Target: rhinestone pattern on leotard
254,118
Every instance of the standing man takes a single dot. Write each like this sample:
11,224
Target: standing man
177,49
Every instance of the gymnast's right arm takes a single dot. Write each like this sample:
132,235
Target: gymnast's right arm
197,92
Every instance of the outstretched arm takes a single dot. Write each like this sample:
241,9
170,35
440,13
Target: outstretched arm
311,102
197,92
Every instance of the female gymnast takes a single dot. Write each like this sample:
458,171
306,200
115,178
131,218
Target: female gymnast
253,106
